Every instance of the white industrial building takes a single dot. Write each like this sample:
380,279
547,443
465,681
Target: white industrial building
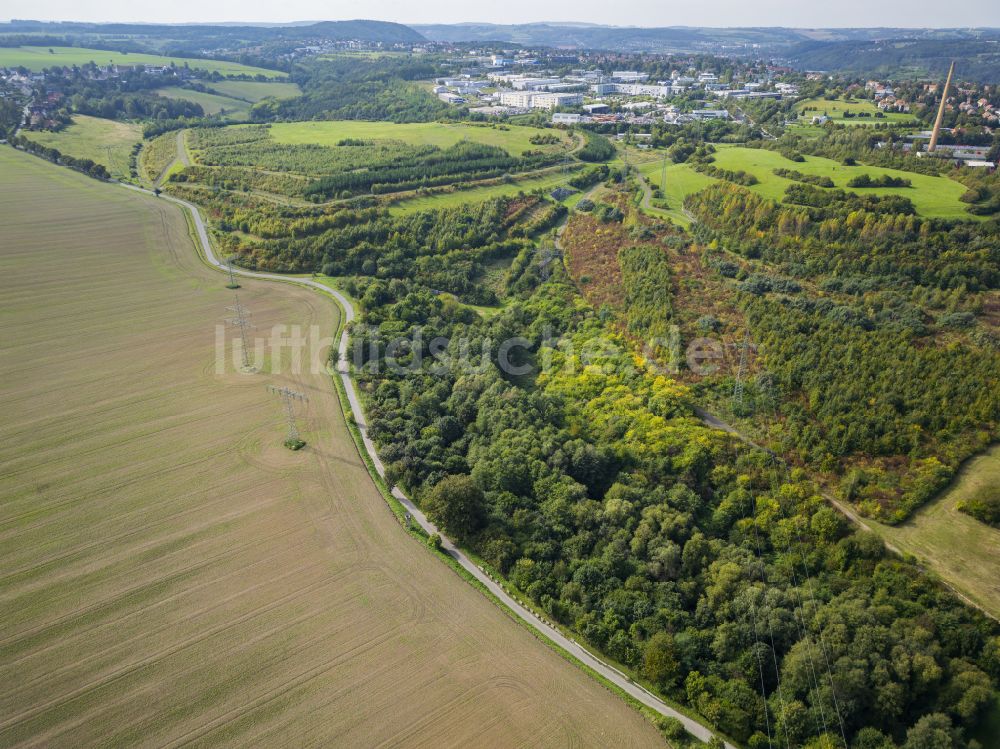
656,90
629,76
711,114
539,100
534,84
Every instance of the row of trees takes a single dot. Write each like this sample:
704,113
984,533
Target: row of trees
87,166
462,161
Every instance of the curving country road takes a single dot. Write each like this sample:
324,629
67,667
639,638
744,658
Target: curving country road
609,672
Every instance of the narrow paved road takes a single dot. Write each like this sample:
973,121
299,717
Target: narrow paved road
583,655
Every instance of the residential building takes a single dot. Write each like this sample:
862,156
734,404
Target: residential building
516,98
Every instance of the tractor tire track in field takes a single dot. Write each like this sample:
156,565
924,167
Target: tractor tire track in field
547,631
86,690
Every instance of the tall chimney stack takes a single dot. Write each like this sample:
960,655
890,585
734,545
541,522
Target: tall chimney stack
940,115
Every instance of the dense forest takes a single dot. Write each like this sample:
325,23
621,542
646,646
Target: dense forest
696,561
886,303
359,89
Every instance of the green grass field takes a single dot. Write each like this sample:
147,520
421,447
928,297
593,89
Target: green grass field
682,180
961,549
211,103
107,142
38,58
253,91
935,197
477,194
835,110
514,139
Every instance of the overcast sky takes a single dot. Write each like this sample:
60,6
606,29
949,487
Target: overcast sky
807,13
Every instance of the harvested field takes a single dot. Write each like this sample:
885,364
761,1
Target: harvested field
170,573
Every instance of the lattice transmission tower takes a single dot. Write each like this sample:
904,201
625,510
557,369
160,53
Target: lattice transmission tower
232,276
741,373
288,398
240,320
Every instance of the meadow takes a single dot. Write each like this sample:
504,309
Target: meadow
934,197
477,194
514,139
39,58
253,91
107,142
171,573
961,549
682,180
835,109
211,103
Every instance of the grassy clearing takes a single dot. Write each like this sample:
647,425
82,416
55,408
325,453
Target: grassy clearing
514,139
935,197
478,194
835,109
211,103
38,58
961,549
254,91
107,142
171,572
681,181
157,154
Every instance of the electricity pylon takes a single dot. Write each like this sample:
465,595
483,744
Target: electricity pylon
288,398
240,321
546,255
741,372
232,277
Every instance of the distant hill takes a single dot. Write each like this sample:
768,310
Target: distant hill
978,59
369,31
592,36
671,38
